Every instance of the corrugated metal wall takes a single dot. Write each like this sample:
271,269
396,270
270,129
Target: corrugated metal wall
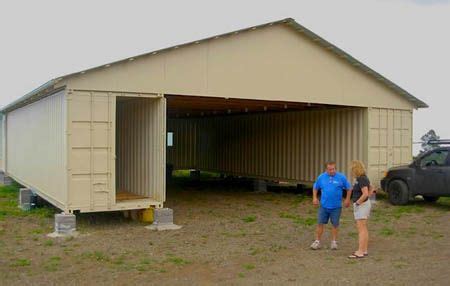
36,147
390,140
283,146
140,147
91,117
2,143
183,153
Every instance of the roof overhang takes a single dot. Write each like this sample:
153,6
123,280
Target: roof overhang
42,91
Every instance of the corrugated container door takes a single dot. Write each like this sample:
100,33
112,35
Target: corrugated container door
159,119
91,119
390,140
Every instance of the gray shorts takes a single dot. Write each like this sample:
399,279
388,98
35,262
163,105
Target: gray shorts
362,211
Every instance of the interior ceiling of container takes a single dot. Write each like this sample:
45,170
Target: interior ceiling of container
180,106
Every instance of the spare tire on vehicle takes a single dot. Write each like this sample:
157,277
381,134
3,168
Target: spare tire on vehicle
398,192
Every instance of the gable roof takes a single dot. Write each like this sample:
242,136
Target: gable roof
47,88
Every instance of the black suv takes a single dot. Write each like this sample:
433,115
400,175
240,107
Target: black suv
428,175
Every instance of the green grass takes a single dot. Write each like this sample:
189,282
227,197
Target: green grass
436,235
250,218
398,211
249,266
255,251
299,199
96,255
411,231
177,261
146,261
400,264
52,264
305,221
443,204
185,174
386,231
276,247
144,265
119,260
353,234
48,242
20,262
381,216
37,231
8,205
444,201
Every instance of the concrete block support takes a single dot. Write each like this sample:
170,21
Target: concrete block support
26,199
260,185
65,225
5,180
163,220
163,215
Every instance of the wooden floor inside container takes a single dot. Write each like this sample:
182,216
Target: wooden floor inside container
126,196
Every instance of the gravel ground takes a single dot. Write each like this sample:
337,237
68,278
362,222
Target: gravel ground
230,236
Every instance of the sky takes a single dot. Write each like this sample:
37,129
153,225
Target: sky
405,40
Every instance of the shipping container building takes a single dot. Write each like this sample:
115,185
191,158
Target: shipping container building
273,102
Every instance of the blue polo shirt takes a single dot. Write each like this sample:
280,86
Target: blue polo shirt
332,188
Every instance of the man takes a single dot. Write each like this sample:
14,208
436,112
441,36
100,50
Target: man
331,184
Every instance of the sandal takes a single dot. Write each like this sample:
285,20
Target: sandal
365,254
354,256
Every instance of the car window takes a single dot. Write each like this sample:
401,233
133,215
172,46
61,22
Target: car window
437,158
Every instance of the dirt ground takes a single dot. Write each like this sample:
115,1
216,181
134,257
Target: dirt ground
230,236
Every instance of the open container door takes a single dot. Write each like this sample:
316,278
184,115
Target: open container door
140,151
116,144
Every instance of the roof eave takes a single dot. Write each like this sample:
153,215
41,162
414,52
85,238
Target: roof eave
45,89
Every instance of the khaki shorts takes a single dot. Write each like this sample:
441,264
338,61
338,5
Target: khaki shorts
362,211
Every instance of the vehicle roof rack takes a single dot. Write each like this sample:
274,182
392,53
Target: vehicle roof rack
440,142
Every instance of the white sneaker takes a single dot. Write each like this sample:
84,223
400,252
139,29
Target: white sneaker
334,245
315,245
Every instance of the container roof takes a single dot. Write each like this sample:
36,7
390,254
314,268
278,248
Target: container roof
290,22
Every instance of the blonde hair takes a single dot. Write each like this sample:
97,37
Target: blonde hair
357,168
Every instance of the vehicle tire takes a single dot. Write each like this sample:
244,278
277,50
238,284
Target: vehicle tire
430,199
398,192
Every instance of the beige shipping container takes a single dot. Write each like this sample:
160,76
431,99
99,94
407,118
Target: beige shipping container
273,101
63,147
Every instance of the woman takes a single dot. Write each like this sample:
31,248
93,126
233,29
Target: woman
361,207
